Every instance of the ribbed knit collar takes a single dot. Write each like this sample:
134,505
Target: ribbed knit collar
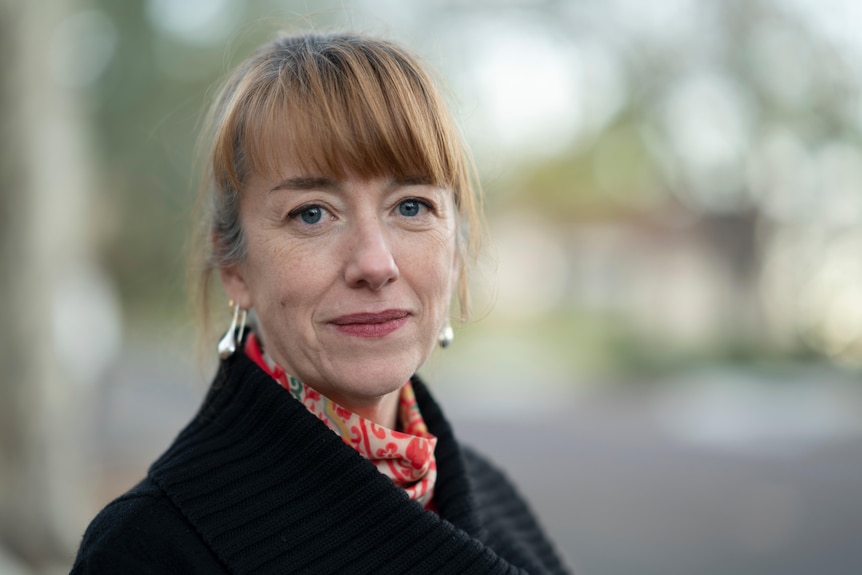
406,456
272,490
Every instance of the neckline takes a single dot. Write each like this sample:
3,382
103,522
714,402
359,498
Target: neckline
406,456
227,471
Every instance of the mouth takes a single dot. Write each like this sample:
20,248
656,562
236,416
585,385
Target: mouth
377,324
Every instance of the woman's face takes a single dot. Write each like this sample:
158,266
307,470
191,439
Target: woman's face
350,280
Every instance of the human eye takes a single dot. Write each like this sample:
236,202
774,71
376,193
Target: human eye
412,207
309,214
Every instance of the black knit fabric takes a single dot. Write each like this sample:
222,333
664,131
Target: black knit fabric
257,484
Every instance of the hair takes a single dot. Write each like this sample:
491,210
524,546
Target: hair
333,104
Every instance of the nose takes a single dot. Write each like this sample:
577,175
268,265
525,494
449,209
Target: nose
370,263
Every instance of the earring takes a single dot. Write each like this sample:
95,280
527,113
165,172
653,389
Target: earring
227,344
447,334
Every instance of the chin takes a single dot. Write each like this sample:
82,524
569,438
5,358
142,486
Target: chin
374,378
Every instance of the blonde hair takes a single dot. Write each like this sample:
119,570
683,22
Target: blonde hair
333,104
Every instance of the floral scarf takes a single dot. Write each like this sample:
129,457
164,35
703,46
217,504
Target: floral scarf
406,457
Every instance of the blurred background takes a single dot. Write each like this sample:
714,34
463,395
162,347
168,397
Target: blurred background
669,306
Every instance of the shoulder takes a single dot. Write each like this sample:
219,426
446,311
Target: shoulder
491,485
511,526
142,532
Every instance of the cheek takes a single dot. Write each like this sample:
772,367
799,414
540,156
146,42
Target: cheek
440,269
278,274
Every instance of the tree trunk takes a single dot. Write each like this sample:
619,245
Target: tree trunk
46,188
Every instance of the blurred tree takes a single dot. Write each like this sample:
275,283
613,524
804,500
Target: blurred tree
44,202
740,126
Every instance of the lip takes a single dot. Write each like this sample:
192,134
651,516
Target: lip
371,324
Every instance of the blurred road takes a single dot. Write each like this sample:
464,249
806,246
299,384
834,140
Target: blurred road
713,472
622,497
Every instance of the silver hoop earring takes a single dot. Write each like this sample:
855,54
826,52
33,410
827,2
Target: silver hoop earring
447,334
227,344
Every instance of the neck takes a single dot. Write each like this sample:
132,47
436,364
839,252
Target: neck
382,410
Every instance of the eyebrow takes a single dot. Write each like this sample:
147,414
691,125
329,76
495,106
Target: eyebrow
413,181
306,183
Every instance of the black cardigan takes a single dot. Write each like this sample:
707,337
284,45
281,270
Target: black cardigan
257,484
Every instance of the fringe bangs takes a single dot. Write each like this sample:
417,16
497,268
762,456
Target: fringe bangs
338,114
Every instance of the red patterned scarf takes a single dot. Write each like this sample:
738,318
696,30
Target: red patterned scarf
406,457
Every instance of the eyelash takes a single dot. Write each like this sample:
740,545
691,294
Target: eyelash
297,212
424,203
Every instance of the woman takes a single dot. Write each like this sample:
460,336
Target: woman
341,212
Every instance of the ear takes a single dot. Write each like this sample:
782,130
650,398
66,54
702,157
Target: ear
458,285
457,271
233,280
